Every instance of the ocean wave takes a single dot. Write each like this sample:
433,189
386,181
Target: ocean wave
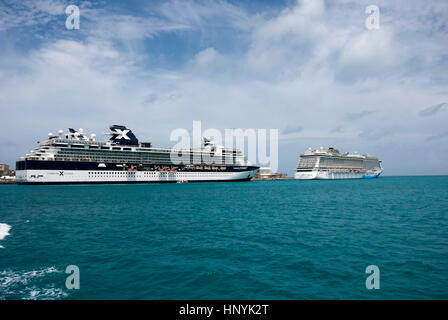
24,285
45,294
4,231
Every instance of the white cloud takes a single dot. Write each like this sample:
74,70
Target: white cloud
15,14
368,54
281,45
206,57
200,14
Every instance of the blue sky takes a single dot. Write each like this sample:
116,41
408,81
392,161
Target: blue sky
309,68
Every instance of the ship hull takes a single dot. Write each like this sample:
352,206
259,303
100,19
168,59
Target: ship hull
335,175
39,177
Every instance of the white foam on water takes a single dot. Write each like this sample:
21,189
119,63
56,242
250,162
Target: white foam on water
4,231
23,284
45,294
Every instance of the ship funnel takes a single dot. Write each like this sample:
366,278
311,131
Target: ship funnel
122,135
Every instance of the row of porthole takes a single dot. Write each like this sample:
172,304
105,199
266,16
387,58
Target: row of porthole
196,173
112,174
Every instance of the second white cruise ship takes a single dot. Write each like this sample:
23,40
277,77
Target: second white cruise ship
331,164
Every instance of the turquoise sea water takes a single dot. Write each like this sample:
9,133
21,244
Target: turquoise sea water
247,240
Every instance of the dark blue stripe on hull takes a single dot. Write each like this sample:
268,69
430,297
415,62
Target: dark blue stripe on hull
93,166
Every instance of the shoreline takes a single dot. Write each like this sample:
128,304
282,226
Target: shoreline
7,182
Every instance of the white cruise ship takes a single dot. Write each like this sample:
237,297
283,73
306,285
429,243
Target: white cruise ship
75,158
330,164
